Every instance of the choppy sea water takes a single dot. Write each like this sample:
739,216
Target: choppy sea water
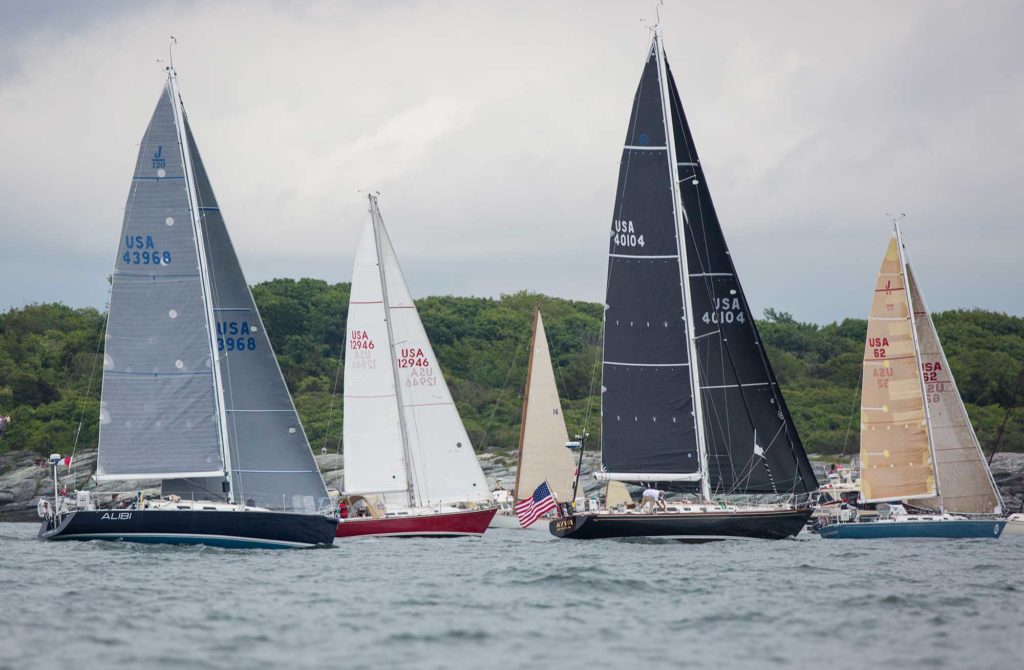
512,597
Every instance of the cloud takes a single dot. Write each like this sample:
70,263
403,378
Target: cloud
493,132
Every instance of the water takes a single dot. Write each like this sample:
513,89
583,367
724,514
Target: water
511,597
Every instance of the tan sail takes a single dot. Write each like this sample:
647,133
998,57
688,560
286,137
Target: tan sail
616,494
542,436
965,483
896,460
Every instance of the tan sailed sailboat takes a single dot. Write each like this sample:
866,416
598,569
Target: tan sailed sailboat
543,455
917,444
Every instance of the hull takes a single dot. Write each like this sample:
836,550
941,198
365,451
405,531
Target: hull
1014,525
235,529
447,524
686,527
511,522
933,529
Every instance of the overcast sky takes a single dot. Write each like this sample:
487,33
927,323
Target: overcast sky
493,131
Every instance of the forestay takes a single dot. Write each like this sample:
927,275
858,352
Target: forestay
158,416
752,444
543,436
896,460
965,482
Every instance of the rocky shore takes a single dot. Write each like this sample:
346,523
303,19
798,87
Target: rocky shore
23,480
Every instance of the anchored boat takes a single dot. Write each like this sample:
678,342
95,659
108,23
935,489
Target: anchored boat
689,401
917,445
406,450
192,394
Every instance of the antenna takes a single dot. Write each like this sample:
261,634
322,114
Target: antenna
170,50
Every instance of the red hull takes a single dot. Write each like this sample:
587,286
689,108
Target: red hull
449,524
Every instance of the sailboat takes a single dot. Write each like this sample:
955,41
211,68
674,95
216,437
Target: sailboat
543,438
917,445
409,465
689,401
192,394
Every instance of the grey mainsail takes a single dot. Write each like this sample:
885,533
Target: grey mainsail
158,413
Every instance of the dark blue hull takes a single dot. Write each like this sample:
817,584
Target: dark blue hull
248,530
924,529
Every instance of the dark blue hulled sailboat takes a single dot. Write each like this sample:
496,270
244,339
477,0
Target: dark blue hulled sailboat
192,393
689,401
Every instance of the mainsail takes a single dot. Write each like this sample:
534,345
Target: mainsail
895,455
158,411
676,319
543,436
648,419
248,433
964,478
439,463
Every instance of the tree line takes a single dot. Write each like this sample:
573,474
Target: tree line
49,353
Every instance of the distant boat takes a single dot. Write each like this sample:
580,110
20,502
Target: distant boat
689,401
192,393
542,454
917,445
409,465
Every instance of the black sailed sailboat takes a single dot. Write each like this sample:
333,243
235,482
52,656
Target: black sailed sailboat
689,400
192,395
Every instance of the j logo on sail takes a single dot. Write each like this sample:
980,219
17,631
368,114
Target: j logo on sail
158,158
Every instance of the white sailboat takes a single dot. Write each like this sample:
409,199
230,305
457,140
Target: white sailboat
917,445
405,447
542,455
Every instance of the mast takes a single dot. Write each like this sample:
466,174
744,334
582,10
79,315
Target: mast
376,221
917,354
204,276
526,406
679,214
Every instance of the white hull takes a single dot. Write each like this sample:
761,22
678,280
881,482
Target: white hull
1014,525
511,522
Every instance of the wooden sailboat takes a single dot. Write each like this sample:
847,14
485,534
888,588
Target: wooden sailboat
917,445
542,455
404,443
192,394
689,401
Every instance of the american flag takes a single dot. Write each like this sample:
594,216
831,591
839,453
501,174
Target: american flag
531,509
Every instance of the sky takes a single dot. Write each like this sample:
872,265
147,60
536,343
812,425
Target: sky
493,132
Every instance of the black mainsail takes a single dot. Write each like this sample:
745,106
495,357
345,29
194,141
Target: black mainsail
666,335
648,429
